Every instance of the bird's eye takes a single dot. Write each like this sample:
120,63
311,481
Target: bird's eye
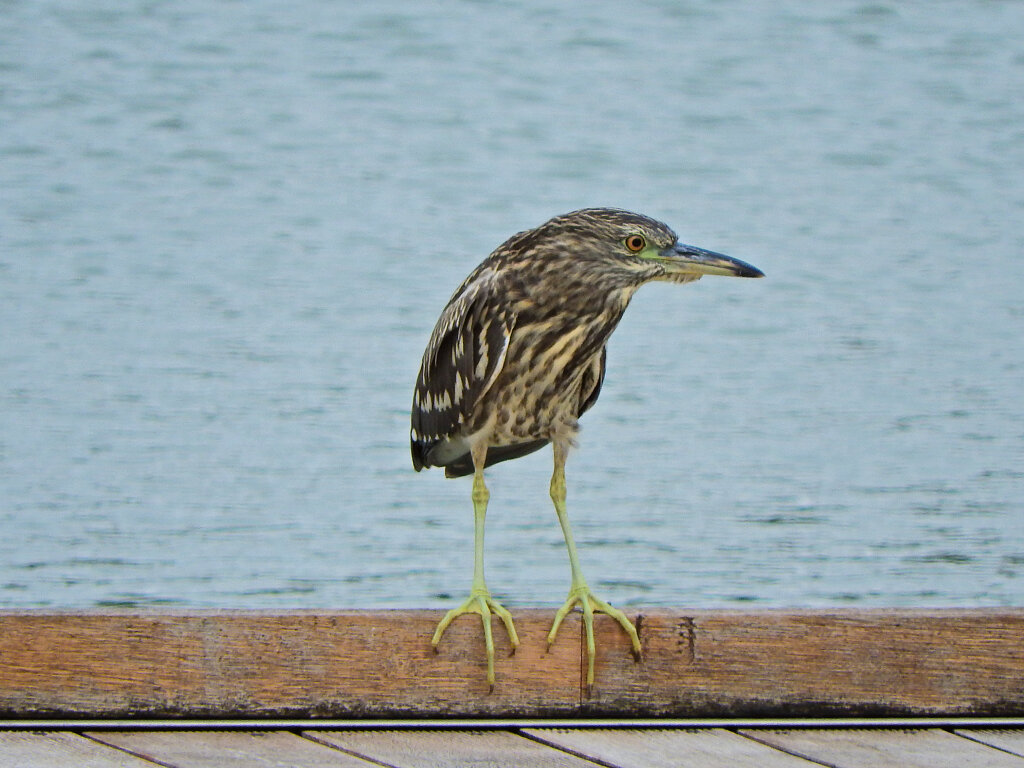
636,243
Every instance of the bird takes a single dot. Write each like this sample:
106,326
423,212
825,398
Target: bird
518,355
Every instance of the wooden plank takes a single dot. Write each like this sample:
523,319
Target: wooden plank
885,663
1007,739
448,749
618,748
668,748
380,664
873,748
351,664
229,749
60,750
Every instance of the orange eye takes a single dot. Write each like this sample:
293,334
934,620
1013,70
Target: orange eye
636,243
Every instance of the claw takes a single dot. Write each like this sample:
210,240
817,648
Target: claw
589,603
483,604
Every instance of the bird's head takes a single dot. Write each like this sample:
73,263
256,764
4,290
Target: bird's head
641,247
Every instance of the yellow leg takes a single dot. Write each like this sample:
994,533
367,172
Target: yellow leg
480,600
579,592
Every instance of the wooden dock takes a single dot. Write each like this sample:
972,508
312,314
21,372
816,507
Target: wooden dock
841,688
520,747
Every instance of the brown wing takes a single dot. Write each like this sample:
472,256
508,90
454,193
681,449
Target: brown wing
463,357
593,378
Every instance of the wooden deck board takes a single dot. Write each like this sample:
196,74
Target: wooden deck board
276,665
229,749
323,676
668,748
1010,740
779,663
61,749
873,748
363,664
450,749
501,748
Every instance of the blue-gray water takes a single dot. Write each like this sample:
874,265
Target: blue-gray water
226,230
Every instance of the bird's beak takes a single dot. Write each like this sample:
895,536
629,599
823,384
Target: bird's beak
690,260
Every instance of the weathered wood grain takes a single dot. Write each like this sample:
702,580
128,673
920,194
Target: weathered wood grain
450,749
1006,739
613,747
817,663
276,665
872,748
228,749
380,664
668,748
61,750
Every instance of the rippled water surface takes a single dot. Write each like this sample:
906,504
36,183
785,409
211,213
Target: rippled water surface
226,231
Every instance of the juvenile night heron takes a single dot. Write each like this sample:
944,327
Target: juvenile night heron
518,355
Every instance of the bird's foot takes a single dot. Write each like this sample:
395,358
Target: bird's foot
480,602
589,603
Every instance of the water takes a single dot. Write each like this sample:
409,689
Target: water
226,231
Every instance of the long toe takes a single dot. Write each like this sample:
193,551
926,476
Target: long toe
482,605
589,604
624,622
